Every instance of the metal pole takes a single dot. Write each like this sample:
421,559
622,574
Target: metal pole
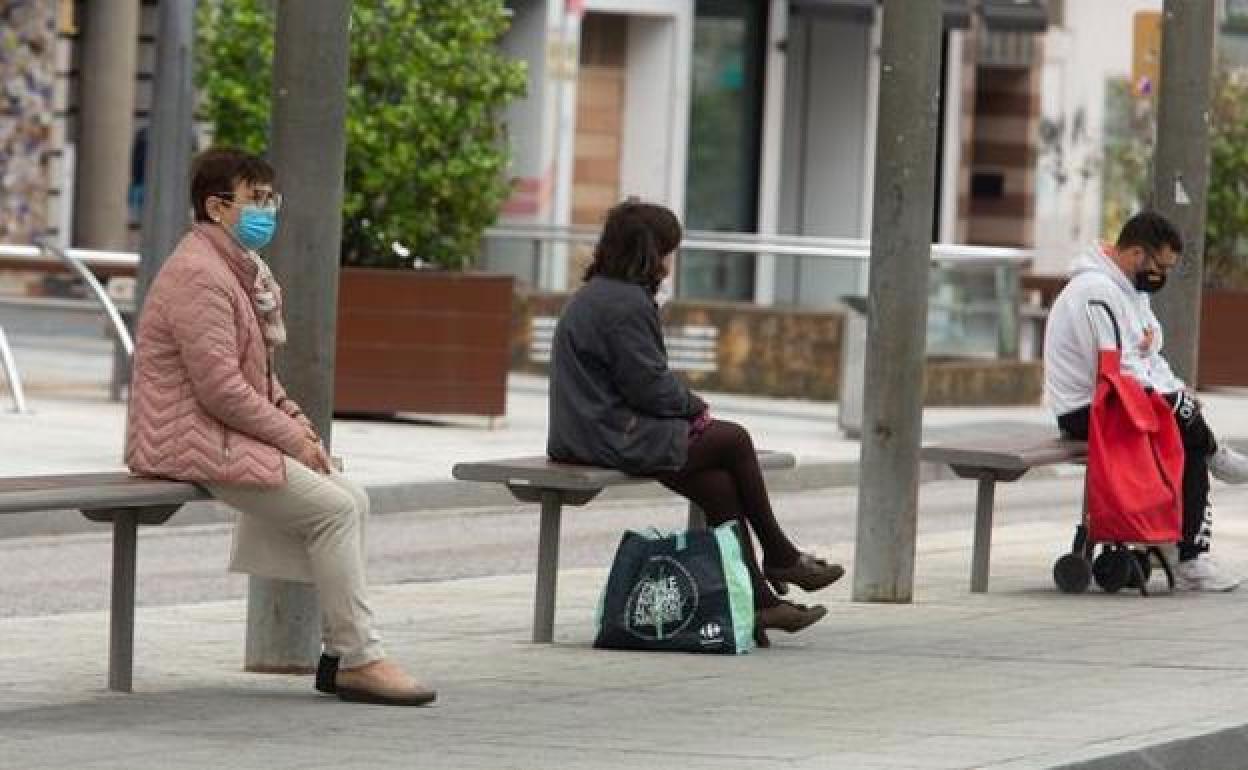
309,153
1181,169
555,264
772,152
121,611
901,236
547,567
120,333
166,199
109,51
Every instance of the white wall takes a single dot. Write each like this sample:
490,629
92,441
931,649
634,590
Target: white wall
646,146
657,99
530,119
1095,44
531,132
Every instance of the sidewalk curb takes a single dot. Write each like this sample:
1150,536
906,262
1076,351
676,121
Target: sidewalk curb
1216,749
444,496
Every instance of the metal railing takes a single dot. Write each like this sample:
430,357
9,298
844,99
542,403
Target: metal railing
79,261
999,269
975,288
11,373
848,249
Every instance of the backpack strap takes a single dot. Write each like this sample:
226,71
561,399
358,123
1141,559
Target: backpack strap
1103,305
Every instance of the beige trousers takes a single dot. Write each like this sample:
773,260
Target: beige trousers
326,516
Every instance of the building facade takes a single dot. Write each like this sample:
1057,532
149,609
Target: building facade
759,117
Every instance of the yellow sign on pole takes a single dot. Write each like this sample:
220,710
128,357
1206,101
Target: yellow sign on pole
1146,53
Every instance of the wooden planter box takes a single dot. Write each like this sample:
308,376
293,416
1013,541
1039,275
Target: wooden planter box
425,341
1223,355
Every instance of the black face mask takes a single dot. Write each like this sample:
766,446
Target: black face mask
1149,282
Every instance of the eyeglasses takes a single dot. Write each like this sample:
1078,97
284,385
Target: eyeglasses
263,198
1154,258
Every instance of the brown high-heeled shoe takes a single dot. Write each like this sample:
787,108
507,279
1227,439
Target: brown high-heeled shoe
808,573
786,616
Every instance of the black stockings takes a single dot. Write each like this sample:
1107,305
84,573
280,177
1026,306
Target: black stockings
722,476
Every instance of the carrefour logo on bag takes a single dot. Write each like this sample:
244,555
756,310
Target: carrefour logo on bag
711,633
663,600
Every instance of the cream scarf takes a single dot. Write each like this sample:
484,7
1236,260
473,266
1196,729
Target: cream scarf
266,295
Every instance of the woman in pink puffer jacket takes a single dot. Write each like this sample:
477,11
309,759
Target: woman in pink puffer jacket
205,406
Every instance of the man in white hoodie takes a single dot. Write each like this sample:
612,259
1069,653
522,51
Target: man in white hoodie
1117,280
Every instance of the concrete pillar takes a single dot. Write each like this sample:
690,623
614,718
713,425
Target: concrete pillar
309,154
901,232
106,128
1181,169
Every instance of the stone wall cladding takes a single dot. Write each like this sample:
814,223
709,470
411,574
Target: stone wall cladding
28,36
786,353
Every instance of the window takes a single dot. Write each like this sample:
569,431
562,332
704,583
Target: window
724,135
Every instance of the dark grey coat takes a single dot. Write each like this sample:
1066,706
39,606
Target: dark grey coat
613,401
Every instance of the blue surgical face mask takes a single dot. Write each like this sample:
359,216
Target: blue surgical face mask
256,226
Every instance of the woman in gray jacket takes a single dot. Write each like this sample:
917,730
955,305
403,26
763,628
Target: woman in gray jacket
615,403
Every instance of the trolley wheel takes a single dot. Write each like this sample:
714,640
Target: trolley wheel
1072,573
1112,569
1145,560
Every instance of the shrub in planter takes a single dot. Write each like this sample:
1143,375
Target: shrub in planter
425,167
426,154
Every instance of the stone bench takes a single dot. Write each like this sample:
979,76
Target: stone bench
1000,458
554,485
124,500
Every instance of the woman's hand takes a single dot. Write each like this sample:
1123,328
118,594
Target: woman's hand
699,424
309,429
313,455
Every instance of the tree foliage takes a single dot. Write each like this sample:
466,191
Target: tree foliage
426,152
1128,170
1226,234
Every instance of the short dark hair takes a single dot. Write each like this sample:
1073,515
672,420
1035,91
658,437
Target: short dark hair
218,169
1151,231
634,241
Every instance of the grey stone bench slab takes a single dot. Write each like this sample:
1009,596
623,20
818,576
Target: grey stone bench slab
999,458
124,500
553,485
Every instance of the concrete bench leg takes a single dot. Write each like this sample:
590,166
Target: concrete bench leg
982,548
121,613
547,567
125,523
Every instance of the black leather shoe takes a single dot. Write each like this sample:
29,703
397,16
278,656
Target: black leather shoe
327,674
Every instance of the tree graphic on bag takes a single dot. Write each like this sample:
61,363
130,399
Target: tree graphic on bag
687,591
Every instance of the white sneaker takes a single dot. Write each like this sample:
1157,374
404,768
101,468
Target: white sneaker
1204,574
1228,465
